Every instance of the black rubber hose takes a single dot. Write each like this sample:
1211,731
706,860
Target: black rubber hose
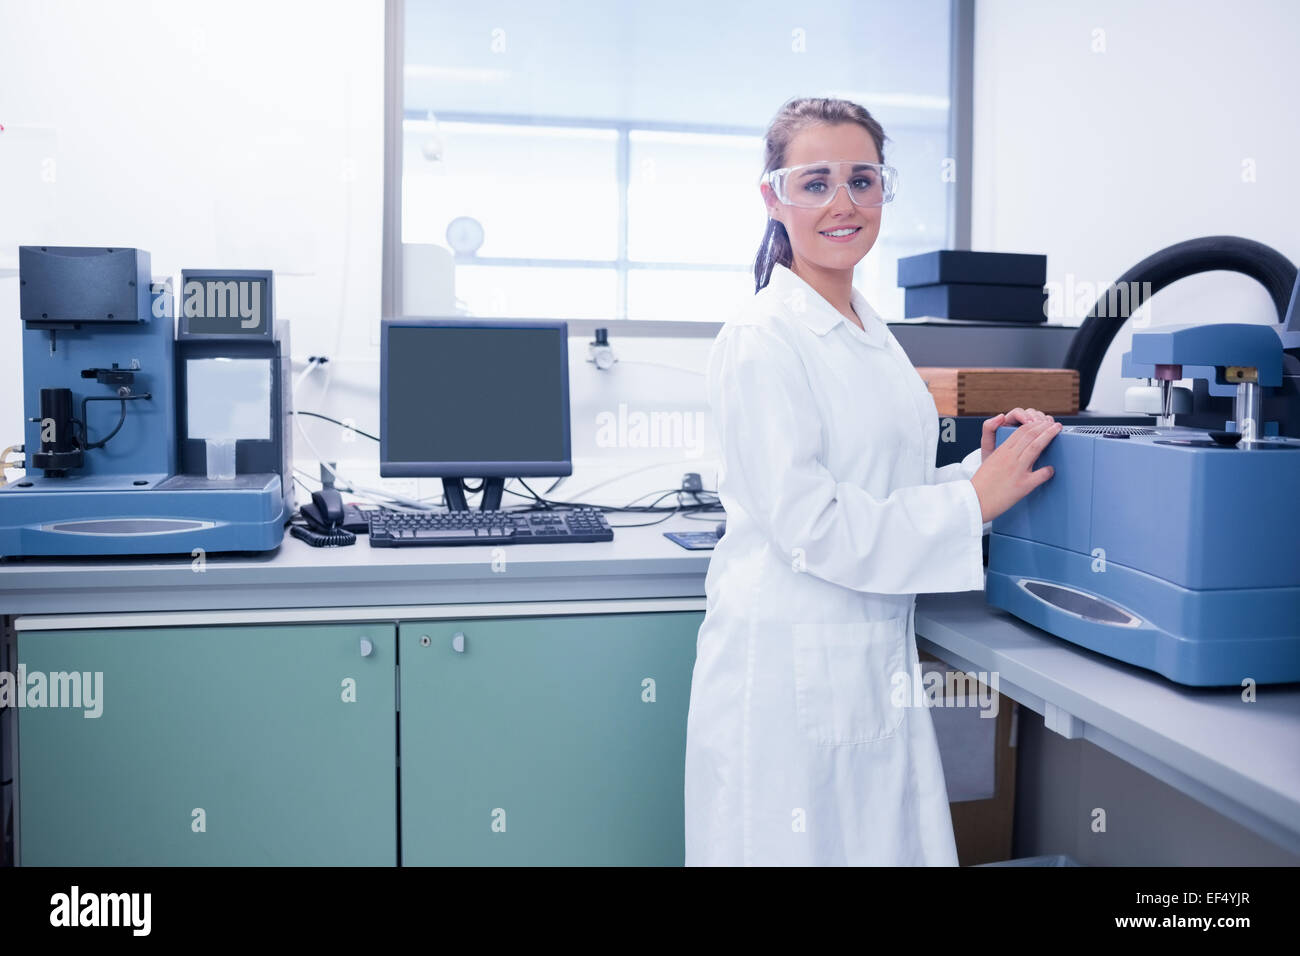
1209,254
86,443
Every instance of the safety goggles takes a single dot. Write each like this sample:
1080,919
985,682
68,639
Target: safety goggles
813,185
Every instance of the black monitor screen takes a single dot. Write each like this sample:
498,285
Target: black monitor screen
458,394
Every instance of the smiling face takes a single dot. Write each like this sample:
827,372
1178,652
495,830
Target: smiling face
813,250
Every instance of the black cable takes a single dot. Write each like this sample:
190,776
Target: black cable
536,496
547,504
714,505
541,503
705,502
663,493
1210,253
335,538
645,524
684,510
337,422
680,509
86,443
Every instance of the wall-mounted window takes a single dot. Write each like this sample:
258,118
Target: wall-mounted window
595,160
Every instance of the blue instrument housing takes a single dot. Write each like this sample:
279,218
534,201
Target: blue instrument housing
96,327
1162,548
1208,347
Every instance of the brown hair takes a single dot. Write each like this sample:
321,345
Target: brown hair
795,116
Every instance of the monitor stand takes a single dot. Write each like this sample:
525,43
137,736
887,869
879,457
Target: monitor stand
455,494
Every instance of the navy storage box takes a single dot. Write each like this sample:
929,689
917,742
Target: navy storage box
989,303
981,268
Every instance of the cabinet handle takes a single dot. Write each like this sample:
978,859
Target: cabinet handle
458,642
367,647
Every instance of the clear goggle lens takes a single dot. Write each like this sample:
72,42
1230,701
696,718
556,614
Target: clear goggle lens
815,184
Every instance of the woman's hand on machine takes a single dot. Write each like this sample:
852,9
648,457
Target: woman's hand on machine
1007,473
1017,416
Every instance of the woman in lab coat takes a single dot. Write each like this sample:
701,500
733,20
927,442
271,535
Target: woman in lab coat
803,746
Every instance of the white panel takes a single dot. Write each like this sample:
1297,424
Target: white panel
228,398
1106,131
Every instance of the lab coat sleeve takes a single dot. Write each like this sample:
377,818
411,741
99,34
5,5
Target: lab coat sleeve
925,538
960,470
963,470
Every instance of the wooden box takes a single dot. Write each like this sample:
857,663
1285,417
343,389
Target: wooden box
991,391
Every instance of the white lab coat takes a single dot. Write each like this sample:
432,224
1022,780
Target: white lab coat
796,750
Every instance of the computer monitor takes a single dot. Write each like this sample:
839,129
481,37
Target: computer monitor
474,398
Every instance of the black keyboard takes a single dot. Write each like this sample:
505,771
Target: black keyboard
397,529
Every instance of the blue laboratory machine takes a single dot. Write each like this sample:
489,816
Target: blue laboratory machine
121,402
1173,548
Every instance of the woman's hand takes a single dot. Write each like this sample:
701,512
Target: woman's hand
1017,416
1008,474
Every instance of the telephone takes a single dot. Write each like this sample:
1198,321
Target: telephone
324,518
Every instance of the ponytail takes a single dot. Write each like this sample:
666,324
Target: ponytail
775,248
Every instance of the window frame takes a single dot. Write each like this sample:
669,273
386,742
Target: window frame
958,226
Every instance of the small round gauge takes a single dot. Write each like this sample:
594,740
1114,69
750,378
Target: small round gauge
464,235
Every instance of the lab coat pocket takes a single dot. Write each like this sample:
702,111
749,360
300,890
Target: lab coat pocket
843,677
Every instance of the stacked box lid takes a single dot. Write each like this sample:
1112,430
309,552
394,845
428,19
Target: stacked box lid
975,286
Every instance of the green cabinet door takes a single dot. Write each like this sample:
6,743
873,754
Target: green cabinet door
551,741
214,745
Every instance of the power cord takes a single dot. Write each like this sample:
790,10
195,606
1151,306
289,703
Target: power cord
326,418
337,538
704,501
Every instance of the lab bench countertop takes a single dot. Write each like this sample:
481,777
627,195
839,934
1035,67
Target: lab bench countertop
1240,758
639,563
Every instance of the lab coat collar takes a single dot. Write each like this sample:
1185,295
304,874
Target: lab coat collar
816,313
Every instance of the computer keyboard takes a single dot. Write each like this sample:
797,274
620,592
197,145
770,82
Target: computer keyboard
397,529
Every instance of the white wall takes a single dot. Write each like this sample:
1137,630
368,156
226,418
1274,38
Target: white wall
656,382
242,134
1101,158
246,134
238,134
